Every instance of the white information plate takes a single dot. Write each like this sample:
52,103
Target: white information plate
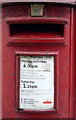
36,83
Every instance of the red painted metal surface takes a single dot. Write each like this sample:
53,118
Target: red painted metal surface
0,63
74,19
64,80
35,30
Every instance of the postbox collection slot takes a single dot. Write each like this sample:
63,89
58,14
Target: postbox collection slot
36,31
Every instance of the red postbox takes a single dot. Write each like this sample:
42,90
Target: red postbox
37,60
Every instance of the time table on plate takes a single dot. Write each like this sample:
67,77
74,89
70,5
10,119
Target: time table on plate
36,82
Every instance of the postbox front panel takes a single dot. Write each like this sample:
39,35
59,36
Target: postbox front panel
36,81
36,61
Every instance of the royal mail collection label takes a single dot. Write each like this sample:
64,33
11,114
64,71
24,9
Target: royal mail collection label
36,83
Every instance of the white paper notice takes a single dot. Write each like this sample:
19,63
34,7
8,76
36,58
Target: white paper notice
36,83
